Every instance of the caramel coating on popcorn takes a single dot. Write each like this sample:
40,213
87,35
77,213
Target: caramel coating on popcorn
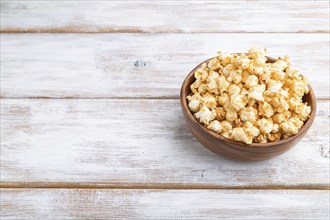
246,99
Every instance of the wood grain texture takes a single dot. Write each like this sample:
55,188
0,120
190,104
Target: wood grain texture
134,143
163,204
113,143
138,65
164,16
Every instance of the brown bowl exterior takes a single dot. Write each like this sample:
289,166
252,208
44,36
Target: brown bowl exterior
237,150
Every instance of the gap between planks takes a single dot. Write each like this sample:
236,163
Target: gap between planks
65,30
171,186
114,98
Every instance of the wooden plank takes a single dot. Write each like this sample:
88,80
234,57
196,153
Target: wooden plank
163,204
164,16
139,143
137,65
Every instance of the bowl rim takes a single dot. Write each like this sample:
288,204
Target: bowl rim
190,116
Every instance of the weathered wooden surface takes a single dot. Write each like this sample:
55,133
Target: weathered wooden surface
163,204
139,143
170,16
111,142
102,65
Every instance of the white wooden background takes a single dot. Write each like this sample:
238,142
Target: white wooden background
86,134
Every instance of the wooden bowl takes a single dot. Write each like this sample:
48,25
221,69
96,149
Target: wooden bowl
237,150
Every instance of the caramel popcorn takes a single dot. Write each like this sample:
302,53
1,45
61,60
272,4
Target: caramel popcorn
215,126
246,99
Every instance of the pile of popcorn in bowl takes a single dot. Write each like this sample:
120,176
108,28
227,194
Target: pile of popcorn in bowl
247,99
